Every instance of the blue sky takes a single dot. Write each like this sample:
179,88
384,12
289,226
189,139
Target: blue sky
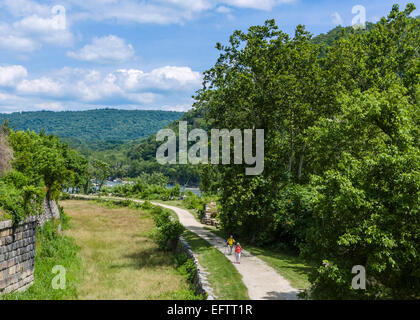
136,54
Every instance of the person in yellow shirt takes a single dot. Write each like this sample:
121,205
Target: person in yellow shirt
230,242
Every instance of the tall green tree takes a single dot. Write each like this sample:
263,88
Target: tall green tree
100,172
341,177
367,166
264,80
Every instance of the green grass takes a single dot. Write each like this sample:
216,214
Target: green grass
52,249
223,277
145,207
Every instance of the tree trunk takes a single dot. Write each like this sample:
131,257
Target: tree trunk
302,155
291,150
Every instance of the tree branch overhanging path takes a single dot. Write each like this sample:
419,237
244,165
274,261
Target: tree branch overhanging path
262,281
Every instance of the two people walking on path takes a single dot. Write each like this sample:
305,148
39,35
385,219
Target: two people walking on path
238,249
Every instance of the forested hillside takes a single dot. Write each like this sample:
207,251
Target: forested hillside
93,129
142,157
133,158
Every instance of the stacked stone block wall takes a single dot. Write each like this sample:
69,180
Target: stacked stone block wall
17,255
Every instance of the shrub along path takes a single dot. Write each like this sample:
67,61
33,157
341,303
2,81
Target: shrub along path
262,281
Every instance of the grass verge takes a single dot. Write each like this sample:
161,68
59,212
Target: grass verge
223,277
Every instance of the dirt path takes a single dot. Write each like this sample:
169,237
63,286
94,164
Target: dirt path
262,281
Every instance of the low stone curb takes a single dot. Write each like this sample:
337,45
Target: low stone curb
201,284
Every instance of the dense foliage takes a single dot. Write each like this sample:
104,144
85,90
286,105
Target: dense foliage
326,40
142,157
168,230
41,167
341,181
148,187
6,153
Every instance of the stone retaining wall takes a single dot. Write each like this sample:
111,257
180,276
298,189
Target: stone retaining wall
17,249
49,211
17,255
201,285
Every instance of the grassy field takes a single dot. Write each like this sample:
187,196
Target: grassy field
120,259
223,277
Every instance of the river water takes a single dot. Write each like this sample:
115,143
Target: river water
194,190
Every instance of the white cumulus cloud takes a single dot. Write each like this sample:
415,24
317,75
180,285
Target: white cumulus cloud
42,85
104,50
89,87
34,25
164,78
10,75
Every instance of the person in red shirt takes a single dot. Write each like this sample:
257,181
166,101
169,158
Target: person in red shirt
238,250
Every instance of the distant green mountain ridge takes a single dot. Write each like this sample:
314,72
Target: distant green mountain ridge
100,128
